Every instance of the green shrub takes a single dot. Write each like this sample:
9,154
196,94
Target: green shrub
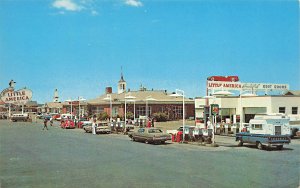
160,117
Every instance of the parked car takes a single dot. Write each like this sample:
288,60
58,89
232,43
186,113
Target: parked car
66,116
40,116
56,117
188,128
150,135
67,124
100,128
83,122
224,78
19,117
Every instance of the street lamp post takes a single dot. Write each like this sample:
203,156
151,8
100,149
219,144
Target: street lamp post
149,98
180,93
79,99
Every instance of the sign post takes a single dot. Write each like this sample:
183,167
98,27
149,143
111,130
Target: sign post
214,112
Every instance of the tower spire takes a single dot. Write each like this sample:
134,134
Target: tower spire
122,77
122,73
122,83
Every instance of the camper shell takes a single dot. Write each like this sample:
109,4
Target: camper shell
266,131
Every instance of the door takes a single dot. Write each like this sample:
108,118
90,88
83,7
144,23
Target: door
277,130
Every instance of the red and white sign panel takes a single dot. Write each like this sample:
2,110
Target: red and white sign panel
224,85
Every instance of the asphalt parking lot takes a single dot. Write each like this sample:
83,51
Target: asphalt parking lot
31,157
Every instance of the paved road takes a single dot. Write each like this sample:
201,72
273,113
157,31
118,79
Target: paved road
30,157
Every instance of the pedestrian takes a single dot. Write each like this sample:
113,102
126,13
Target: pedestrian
222,127
149,123
94,127
51,121
45,124
153,121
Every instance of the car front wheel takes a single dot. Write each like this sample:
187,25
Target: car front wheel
240,143
279,147
259,146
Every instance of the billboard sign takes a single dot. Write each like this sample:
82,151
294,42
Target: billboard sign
10,96
245,86
224,85
265,86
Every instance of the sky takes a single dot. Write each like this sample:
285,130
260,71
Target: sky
79,46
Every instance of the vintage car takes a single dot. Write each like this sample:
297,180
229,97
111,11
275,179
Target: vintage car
84,122
100,128
67,124
149,135
19,117
224,78
56,117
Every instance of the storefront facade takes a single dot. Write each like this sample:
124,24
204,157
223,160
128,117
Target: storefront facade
231,107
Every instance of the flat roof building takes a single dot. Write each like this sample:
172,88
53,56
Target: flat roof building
231,107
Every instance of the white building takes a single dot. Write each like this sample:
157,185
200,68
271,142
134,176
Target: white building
232,106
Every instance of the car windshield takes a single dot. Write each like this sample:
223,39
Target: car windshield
155,131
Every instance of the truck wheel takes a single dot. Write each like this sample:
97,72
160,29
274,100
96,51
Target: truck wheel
259,146
279,147
240,143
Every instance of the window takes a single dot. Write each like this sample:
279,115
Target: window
97,109
282,110
294,110
141,111
257,126
178,111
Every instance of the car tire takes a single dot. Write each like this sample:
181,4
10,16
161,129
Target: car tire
146,142
162,142
280,147
240,143
259,146
133,139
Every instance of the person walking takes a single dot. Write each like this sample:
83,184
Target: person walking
94,127
45,124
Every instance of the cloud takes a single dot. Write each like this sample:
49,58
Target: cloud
69,5
134,3
94,13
